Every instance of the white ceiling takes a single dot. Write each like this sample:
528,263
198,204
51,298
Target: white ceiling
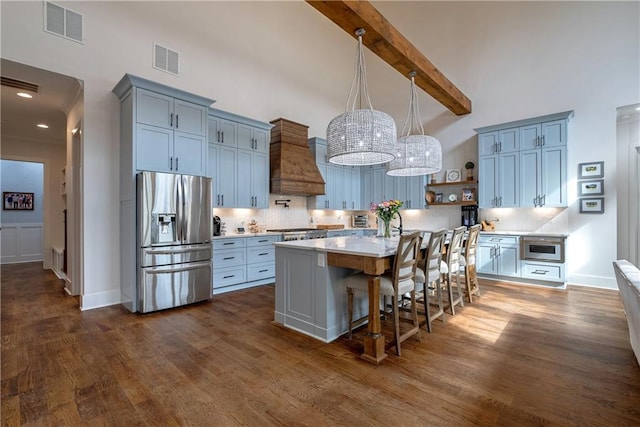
50,105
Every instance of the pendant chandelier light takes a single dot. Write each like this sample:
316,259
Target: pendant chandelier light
416,153
361,136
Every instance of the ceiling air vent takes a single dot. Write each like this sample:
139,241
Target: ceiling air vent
166,59
63,22
19,84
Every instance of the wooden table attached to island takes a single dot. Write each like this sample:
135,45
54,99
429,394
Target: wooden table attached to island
311,296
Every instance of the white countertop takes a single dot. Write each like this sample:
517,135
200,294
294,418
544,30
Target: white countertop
524,233
350,245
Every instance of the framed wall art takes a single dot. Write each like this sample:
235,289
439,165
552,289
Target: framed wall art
17,201
593,187
439,197
590,170
594,205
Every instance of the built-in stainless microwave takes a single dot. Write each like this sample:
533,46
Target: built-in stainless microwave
538,248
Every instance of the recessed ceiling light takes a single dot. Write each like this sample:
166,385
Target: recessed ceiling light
43,126
24,95
637,108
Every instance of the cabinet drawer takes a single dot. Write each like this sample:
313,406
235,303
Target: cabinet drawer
229,276
543,271
261,254
261,271
229,258
219,244
499,239
261,241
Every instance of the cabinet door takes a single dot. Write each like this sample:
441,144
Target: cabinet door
554,176
260,179
334,187
415,192
554,133
355,188
530,166
379,176
389,189
487,143
508,140
243,174
244,136
189,118
485,259
508,180
189,154
262,138
154,148
367,187
509,261
530,137
226,178
488,181
153,109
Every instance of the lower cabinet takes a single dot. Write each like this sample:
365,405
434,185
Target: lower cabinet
499,255
243,262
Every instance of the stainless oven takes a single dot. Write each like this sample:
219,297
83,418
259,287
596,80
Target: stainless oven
542,248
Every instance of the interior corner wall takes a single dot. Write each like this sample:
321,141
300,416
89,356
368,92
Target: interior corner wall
75,279
628,213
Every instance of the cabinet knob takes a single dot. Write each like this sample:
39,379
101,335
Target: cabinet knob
177,117
171,120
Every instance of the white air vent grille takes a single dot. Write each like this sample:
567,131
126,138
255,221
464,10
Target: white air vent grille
166,59
63,22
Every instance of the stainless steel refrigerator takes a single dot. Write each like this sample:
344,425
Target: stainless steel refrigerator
174,240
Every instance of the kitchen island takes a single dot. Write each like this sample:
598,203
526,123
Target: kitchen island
311,296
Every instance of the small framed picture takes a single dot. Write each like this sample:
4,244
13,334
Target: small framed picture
591,170
594,205
438,197
593,187
453,175
468,194
15,201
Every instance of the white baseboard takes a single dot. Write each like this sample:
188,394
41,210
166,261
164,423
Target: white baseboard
99,299
603,282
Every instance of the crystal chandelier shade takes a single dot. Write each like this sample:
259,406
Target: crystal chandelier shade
416,153
361,136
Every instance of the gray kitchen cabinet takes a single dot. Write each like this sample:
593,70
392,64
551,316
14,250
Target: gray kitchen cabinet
342,183
253,179
252,138
543,176
498,180
241,169
499,255
222,164
243,262
170,134
532,171
538,270
373,185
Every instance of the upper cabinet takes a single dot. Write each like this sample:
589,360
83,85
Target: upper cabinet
238,160
524,163
162,129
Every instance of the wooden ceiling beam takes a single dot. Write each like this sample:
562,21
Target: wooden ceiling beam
395,49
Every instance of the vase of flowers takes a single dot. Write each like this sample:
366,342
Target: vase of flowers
385,211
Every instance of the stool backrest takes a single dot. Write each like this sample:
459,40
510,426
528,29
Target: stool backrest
434,251
470,247
455,247
405,262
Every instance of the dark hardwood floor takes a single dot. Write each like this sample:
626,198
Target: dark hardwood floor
517,356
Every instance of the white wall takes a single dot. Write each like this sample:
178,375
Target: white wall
628,137
282,59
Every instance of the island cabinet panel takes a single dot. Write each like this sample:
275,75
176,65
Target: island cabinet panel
310,296
499,255
523,163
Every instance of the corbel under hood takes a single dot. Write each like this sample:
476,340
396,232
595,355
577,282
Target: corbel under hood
293,169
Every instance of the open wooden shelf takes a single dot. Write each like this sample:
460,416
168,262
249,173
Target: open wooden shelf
465,203
443,184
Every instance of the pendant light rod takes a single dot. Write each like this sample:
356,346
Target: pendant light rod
359,82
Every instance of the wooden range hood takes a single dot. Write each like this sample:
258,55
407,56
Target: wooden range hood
293,170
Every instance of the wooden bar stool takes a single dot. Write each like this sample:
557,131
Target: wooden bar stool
429,282
450,268
468,263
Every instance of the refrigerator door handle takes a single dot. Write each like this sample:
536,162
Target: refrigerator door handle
180,208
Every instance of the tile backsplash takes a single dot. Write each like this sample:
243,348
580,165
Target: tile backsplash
549,220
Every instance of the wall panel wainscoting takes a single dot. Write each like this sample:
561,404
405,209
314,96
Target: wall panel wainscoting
21,242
